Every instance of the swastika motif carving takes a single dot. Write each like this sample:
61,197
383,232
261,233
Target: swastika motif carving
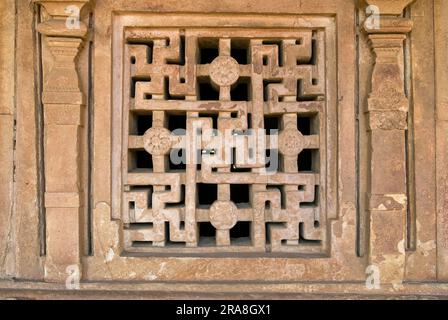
224,141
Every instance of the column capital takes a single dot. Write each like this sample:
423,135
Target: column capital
385,16
388,7
64,18
58,8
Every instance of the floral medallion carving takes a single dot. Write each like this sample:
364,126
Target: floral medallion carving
224,71
223,215
157,141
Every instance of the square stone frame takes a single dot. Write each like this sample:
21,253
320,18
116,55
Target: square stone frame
128,23
108,261
235,27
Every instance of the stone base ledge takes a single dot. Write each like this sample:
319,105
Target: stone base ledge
15,289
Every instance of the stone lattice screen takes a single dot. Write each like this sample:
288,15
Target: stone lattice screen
224,141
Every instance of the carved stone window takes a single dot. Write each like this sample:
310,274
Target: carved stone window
227,140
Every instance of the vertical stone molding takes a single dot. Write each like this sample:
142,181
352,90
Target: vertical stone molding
387,110
7,36
441,55
63,102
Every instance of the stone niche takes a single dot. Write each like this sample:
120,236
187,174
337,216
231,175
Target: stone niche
274,148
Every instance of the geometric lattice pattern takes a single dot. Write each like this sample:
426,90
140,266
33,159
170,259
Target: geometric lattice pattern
223,141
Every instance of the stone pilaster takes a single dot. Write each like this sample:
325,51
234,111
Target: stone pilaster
387,111
63,103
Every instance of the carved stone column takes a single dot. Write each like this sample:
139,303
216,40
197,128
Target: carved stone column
387,111
63,102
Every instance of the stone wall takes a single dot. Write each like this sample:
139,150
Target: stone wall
298,147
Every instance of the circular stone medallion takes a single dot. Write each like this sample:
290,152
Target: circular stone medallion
290,142
157,141
223,215
224,71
